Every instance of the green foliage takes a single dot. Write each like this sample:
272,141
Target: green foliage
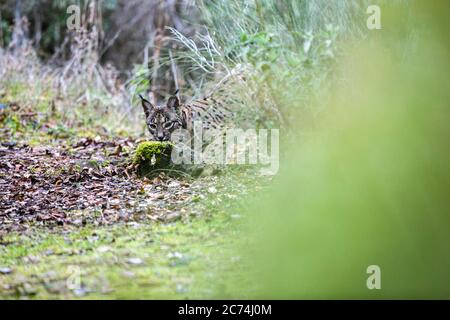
139,82
13,122
284,49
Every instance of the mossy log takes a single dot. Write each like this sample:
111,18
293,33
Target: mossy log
152,155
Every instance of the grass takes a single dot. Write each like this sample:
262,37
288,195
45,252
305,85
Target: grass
123,262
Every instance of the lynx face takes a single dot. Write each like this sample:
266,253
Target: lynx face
162,120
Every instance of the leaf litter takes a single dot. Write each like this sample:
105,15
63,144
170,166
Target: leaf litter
89,181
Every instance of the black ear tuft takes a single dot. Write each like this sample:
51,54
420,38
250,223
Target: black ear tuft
146,105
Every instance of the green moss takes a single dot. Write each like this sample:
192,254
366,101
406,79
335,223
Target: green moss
152,155
147,149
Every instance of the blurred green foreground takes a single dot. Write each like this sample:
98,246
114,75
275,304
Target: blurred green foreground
371,185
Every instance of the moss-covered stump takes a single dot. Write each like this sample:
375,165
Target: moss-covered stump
151,155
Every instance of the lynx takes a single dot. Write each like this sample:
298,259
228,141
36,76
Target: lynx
164,119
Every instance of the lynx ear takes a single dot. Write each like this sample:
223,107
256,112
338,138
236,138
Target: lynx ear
146,105
173,101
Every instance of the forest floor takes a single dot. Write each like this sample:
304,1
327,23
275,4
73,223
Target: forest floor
77,222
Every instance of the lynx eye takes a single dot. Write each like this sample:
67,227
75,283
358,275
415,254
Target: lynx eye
168,125
152,126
